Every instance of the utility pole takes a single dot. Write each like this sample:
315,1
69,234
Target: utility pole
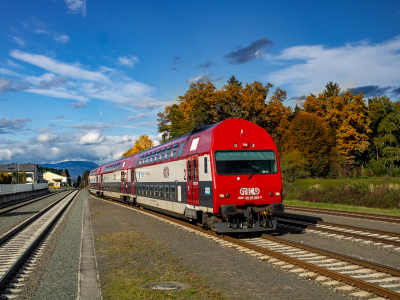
18,175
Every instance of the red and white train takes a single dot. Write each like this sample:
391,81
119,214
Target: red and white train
224,176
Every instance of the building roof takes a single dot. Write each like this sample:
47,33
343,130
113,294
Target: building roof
22,168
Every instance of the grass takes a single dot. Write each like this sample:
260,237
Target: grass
324,183
392,212
134,260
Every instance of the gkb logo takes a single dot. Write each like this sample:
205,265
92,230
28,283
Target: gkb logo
249,191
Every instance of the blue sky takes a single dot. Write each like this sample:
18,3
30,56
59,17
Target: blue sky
81,80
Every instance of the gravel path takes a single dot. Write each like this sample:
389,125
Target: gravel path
237,275
15,217
60,280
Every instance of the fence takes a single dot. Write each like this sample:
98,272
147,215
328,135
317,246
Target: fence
16,188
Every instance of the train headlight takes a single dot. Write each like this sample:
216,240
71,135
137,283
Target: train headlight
277,194
221,195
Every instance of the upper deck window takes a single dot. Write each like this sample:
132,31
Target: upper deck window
245,162
181,148
168,152
152,157
157,155
162,154
174,149
148,158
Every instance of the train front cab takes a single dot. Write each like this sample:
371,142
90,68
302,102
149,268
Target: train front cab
247,183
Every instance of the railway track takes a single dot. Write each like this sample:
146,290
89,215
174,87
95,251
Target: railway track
377,237
10,207
20,247
343,213
331,269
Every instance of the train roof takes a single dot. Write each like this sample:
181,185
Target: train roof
202,131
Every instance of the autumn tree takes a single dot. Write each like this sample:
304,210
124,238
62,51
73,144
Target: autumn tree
308,135
352,135
204,104
141,144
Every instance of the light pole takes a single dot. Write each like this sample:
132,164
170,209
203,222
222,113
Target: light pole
18,175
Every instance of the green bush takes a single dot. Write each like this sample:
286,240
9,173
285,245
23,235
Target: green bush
358,193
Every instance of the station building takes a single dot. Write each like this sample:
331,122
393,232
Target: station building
32,172
53,179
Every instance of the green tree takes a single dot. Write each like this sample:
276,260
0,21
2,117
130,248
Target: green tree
84,180
294,166
331,89
232,81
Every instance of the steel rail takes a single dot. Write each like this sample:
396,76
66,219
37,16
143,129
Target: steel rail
332,274
20,260
308,219
21,226
344,213
349,234
7,208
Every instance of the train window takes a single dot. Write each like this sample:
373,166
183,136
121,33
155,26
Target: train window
189,168
152,157
160,189
174,149
173,194
147,190
162,154
166,192
148,158
245,162
137,162
181,148
205,165
138,189
156,191
168,152
157,155
151,191
194,170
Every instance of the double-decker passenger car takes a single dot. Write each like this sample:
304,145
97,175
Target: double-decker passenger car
224,176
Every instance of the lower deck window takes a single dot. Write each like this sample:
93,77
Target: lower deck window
173,193
166,192
156,191
147,190
151,191
160,189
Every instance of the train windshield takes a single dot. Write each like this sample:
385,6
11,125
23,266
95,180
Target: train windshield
245,162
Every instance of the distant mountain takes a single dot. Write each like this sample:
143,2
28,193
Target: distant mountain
75,168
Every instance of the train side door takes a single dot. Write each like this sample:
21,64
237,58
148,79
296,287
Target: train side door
132,181
192,167
122,183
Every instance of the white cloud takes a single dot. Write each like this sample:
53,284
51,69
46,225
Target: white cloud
76,6
138,117
67,146
19,41
91,138
129,61
13,64
47,137
351,65
57,94
63,38
49,64
77,83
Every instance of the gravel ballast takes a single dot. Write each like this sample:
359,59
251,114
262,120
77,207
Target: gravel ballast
15,217
236,274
